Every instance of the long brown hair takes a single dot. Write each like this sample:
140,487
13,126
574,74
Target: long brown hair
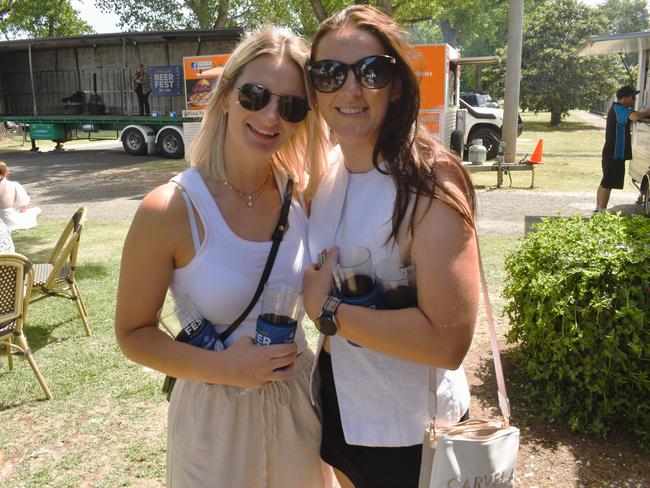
409,149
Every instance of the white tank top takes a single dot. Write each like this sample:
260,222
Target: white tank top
222,277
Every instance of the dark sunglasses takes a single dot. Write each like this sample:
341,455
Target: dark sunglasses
372,72
254,97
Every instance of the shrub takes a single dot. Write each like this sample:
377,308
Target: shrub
578,300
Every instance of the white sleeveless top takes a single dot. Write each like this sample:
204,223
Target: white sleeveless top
383,400
222,277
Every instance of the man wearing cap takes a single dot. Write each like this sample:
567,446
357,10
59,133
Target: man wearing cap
618,144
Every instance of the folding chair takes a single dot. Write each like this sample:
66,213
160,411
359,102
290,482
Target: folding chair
56,278
16,273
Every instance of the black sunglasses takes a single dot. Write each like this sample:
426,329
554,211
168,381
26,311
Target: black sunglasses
372,72
254,97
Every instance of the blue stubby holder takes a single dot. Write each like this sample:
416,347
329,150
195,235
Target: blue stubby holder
271,332
201,335
369,300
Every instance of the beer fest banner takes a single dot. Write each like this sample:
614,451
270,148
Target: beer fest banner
165,80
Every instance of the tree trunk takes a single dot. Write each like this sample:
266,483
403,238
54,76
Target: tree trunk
386,6
556,113
556,118
449,34
319,10
222,15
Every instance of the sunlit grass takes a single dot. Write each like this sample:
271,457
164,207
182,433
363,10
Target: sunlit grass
571,156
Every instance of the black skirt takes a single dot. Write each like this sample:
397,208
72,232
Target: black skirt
366,467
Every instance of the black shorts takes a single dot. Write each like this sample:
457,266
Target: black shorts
613,173
366,467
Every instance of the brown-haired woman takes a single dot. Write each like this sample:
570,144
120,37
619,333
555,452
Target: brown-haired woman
389,175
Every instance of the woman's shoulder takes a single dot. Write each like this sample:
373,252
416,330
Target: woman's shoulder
163,204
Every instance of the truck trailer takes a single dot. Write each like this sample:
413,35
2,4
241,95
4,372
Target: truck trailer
57,88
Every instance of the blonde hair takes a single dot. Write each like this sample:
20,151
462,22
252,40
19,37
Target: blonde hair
309,141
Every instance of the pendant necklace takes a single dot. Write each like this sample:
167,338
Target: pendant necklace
249,198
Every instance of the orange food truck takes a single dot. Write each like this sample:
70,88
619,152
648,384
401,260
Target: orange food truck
454,122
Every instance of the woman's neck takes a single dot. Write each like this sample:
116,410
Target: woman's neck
357,157
245,173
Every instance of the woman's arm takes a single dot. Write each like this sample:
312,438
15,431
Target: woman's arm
158,241
438,332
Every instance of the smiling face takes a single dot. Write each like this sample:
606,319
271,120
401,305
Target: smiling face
261,133
354,113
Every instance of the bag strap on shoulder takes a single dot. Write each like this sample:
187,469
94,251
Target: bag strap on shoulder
277,236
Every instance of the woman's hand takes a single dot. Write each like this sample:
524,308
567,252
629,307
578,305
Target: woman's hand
251,366
317,283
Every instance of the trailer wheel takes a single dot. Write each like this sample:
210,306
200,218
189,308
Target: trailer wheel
133,142
490,139
646,198
170,144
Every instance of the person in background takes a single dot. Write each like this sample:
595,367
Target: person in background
618,144
240,417
374,397
14,203
142,88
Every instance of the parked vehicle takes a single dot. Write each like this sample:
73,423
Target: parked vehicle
478,99
485,123
634,42
61,89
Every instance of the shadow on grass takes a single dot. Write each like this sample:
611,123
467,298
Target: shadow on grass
4,405
599,461
40,336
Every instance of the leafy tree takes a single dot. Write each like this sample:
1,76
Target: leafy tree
148,15
40,18
625,16
553,77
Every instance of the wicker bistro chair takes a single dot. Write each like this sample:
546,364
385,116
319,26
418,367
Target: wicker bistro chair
56,278
16,273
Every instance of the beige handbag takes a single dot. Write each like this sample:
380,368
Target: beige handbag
475,452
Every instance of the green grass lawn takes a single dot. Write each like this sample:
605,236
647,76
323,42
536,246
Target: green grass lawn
106,423
571,156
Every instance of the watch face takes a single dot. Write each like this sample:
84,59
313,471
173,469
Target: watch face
326,325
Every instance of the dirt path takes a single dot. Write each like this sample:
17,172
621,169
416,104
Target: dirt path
98,176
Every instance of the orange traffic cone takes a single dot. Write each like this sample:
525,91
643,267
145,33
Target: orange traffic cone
536,158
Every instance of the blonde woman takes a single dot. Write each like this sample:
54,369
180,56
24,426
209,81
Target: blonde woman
240,417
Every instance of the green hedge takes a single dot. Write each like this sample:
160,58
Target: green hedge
578,300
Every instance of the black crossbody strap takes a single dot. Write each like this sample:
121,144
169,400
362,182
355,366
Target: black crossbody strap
278,233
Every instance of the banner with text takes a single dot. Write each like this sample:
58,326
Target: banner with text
165,80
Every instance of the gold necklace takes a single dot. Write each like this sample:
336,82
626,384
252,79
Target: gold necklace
249,198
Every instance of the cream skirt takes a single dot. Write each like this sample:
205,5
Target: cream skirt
224,436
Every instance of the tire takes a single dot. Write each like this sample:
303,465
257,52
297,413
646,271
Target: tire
134,142
456,142
170,144
646,198
490,138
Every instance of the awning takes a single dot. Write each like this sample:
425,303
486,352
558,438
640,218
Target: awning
631,42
